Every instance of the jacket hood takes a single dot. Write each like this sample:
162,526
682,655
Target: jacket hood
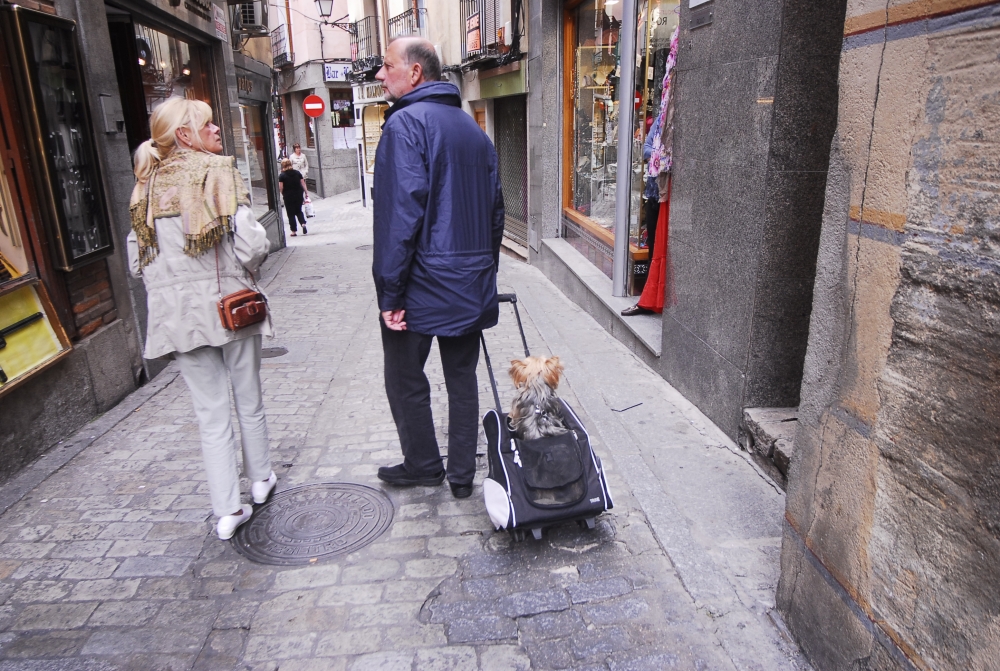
443,93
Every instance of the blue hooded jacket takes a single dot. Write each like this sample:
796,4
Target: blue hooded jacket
439,215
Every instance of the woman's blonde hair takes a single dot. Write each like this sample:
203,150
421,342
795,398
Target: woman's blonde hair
286,164
163,124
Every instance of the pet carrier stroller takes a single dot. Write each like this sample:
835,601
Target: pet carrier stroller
533,484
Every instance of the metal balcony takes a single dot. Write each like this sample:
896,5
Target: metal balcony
483,40
281,57
412,22
366,49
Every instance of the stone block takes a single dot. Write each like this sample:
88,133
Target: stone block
383,661
504,658
354,643
306,578
586,592
452,658
124,614
103,590
615,612
533,603
278,647
152,567
481,630
551,625
53,616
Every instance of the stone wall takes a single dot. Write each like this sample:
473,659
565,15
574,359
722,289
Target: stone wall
892,540
756,109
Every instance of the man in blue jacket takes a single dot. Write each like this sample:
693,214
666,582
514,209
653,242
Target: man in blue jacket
439,219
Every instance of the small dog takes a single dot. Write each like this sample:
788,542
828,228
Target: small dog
535,412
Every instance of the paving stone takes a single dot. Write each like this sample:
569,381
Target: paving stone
599,642
90,569
354,594
481,630
222,650
453,658
613,612
103,590
48,644
40,590
152,567
504,658
306,578
533,603
358,643
431,568
80,549
383,661
383,614
551,625
277,647
451,546
585,592
373,571
53,616
149,640
124,614
40,569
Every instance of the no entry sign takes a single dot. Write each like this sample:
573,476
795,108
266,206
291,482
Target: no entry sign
313,106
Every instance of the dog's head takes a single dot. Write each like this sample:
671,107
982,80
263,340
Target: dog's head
524,371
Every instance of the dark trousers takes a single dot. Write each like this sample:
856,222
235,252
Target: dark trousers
652,216
409,395
293,210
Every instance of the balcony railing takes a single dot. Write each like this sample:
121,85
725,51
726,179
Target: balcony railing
366,50
484,38
280,55
411,22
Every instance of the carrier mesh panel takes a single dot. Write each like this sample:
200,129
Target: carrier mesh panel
552,470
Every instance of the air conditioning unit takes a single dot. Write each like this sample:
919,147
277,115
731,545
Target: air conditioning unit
249,19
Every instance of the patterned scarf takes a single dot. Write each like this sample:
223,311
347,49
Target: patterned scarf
661,159
203,189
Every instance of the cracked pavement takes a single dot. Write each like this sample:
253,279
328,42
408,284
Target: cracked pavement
109,560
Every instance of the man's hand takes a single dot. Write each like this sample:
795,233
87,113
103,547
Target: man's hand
394,320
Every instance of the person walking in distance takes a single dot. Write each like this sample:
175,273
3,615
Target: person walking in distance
299,161
292,186
194,239
438,223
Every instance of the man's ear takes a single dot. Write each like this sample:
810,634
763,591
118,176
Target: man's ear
416,74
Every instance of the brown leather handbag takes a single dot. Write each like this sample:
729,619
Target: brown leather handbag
241,308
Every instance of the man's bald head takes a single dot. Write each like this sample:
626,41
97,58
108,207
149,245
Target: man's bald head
419,50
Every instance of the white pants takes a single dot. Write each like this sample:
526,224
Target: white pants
205,371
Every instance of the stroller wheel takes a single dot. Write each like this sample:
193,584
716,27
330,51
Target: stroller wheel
517,535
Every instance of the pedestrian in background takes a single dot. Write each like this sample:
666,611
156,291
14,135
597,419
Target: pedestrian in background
292,186
439,216
194,239
299,161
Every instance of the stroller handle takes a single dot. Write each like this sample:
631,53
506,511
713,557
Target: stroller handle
507,298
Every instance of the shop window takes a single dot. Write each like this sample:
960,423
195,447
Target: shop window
49,78
372,119
251,158
170,67
310,133
13,255
342,120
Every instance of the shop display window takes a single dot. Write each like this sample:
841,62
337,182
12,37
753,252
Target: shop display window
372,118
48,74
13,255
251,158
595,108
170,68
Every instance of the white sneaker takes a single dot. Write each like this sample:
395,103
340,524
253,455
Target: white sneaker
228,524
261,490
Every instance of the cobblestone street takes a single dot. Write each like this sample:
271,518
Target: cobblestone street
110,561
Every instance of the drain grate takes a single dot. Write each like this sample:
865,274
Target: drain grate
363,248
312,277
314,522
272,352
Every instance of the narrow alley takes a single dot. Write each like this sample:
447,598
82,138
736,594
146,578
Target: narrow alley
109,560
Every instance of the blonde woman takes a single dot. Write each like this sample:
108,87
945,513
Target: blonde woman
194,238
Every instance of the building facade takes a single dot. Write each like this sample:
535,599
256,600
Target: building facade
311,56
79,80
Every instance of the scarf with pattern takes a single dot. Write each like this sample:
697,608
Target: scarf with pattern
203,189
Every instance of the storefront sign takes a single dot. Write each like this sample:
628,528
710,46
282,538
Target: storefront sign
313,106
336,72
221,31
472,34
244,83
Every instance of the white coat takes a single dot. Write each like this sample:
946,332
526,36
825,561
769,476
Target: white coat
182,292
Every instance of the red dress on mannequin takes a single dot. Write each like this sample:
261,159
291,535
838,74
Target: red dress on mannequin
654,294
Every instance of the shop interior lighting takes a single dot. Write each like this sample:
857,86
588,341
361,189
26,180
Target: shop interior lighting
186,71
142,62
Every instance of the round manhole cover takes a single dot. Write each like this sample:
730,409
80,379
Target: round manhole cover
363,248
312,277
314,522
272,352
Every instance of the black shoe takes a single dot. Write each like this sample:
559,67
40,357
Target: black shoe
304,231
460,491
398,475
635,310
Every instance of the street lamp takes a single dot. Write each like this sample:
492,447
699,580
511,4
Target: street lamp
325,8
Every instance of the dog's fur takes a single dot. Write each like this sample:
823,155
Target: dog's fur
535,412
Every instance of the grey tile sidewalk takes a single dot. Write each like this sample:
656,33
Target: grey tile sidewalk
111,562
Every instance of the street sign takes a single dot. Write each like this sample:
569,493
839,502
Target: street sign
336,72
313,106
